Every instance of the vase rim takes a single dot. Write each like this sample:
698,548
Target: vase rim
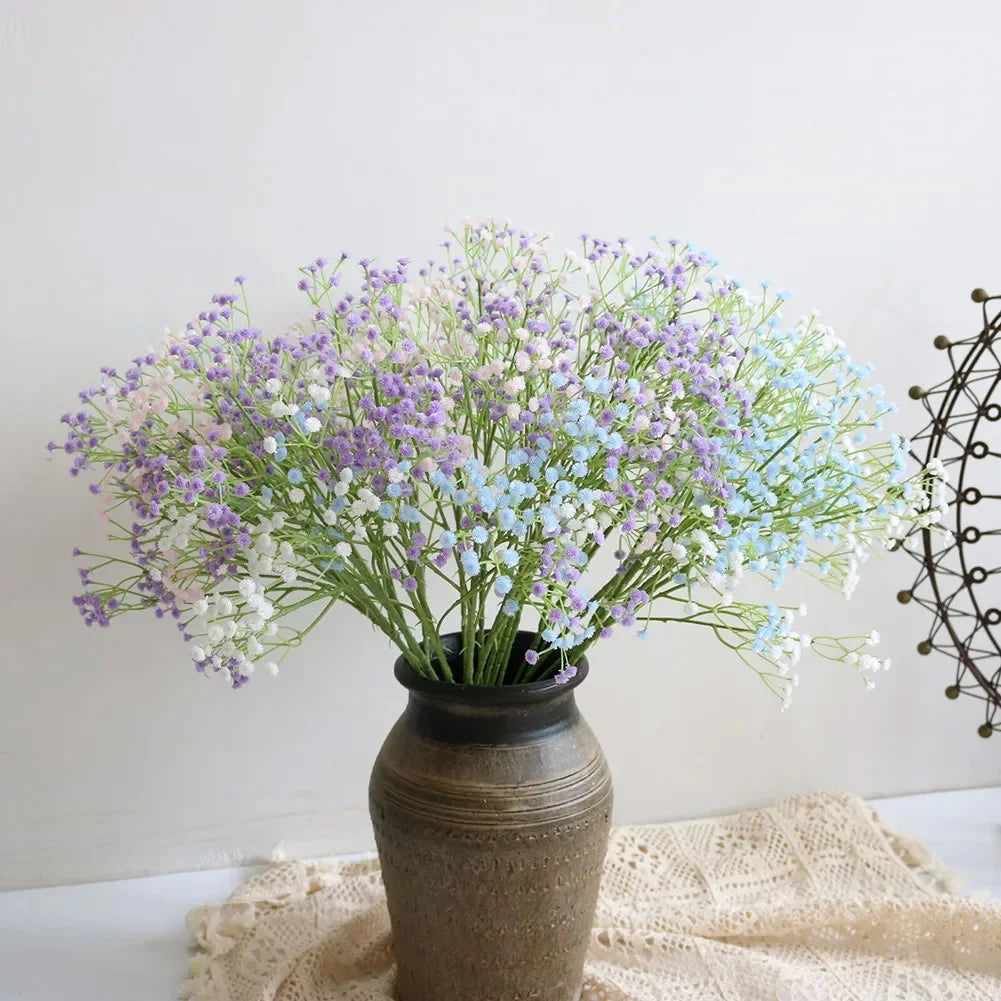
486,695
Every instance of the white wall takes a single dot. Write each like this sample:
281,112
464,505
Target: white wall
148,152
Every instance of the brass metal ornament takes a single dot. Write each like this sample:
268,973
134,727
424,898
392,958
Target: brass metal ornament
959,560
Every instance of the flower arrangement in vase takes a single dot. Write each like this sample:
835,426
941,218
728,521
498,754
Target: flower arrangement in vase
498,464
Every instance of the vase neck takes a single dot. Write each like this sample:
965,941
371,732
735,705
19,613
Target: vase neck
458,717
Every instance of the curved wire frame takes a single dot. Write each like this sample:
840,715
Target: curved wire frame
951,582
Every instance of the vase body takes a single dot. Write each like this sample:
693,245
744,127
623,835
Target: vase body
491,808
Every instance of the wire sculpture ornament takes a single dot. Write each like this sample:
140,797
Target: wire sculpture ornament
960,559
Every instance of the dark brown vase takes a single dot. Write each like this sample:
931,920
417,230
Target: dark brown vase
491,808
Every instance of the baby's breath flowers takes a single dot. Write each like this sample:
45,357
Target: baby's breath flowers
485,431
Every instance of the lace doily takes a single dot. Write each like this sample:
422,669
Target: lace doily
809,900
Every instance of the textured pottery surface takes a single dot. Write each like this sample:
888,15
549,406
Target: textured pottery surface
491,810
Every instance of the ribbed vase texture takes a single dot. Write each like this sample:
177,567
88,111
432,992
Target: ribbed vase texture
491,809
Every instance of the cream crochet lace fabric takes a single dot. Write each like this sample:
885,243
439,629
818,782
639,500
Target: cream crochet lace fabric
810,900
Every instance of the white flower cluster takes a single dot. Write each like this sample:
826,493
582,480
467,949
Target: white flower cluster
266,557
176,529
927,501
235,626
233,629
867,663
939,497
280,409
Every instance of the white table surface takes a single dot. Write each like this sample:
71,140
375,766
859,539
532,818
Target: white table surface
126,941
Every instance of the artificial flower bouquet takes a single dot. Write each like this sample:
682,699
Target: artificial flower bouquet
512,438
